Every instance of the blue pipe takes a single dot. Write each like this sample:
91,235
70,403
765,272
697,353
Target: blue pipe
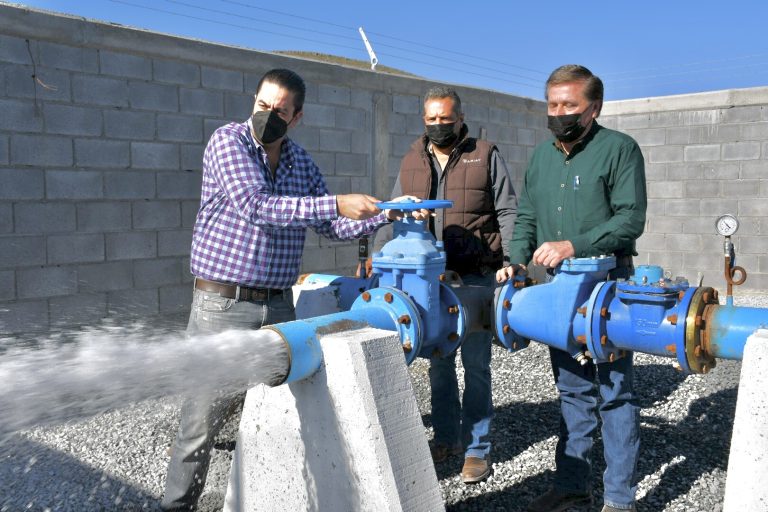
730,326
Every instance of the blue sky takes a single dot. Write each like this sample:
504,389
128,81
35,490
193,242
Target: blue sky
640,49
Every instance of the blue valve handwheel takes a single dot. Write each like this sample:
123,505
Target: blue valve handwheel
409,205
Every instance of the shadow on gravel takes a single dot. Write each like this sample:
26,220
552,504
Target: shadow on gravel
69,485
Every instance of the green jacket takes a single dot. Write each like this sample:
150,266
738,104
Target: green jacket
595,197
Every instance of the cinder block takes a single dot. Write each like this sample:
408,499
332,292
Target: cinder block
323,116
24,317
721,133
717,205
22,251
175,299
703,225
68,120
155,97
40,83
7,286
78,310
133,245
325,161
36,283
4,152
721,171
217,78
474,113
189,213
60,56
751,244
154,155
120,124
176,72
742,114
347,257
238,106
102,277
741,151
20,116
406,104
16,49
20,184
351,119
702,153
350,164
210,126
362,142
64,249
361,98
192,157
179,128
131,303
6,218
201,101
335,140
318,259
754,207
306,137
518,154
156,214
754,131
396,123
664,224
684,242
44,217
334,94
179,184
678,171
703,260
129,185
123,64
338,185
101,153
100,217
401,144
681,207
97,90
414,124
157,272
73,185
741,188
702,188
498,115
174,243
665,154
651,241
665,189
634,122
656,172
363,185
42,150
525,137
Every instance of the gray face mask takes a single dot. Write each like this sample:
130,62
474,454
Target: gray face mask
268,126
441,135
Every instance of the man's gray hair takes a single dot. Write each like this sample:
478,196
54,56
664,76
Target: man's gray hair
441,91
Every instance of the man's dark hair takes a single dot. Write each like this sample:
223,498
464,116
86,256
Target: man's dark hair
593,89
439,92
289,80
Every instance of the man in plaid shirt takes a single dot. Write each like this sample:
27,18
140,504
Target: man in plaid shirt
260,193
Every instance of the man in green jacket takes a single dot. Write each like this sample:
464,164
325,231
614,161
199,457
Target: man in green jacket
584,195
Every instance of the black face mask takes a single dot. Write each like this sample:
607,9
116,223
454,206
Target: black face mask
442,135
268,126
566,128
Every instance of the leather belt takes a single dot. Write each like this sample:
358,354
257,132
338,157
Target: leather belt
237,292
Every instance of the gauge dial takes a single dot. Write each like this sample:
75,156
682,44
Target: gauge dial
727,225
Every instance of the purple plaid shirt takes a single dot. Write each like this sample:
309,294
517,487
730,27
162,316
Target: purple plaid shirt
250,228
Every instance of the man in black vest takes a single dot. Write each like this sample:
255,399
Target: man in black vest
446,163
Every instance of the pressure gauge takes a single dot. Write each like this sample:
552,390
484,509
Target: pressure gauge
727,225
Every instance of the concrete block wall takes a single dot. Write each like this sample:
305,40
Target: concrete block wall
102,130
706,155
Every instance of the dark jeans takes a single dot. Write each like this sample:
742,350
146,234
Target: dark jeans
203,416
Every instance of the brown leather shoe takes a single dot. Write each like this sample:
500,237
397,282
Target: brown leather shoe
440,451
556,500
475,470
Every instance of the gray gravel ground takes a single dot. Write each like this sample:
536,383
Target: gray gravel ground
117,461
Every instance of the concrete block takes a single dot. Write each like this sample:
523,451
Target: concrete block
97,90
176,72
156,214
401,144
126,65
64,249
349,438
338,185
22,184
396,123
325,161
414,125
498,115
762,264
101,277
68,120
362,98
179,128
36,283
133,303
6,218
42,150
7,285
518,154
72,58
175,299
651,241
306,137
22,251
157,272
179,185
335,140
192,157
702,153
120,124
634,122
721,133
4,152
189,213
38,217
155,97
663,224
753,207
681,207
99,217
217,78
210,126
318,259
748,459
700,225
684,242
351,119
715,205
24,317
741,188
711,261
347,258
474,113
133,245
665,154
101,153
406,104
742,114
238,106
201,102
665,189
174,243
741,151
333,94
78,310
721,171
350,164
702,188
525,137
15,49
681,135
20,116
656,172
26,82
362,142
322,116
754,131
129,185
154,155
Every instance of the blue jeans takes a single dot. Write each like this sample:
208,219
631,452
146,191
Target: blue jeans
464,423
621,426
203,416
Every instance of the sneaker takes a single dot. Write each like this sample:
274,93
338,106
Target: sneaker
475,470
555,500
440,451
608,508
